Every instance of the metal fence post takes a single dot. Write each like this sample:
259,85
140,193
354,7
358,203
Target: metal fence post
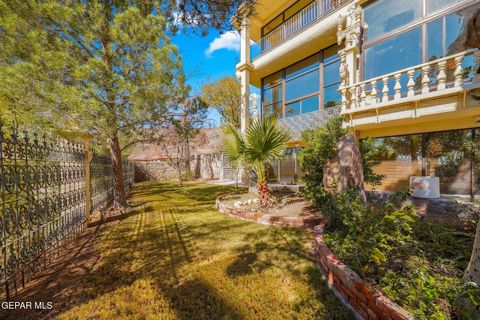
88,177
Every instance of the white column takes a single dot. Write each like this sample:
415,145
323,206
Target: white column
245,42
245,106
243,72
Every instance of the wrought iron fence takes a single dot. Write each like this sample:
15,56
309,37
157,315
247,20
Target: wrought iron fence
43,197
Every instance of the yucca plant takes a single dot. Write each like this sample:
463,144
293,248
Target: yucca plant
264,141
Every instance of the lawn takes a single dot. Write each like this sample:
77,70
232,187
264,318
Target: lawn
176,257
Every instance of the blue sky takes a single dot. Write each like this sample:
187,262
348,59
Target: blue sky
208,58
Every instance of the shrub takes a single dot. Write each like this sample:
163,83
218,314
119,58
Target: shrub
416,263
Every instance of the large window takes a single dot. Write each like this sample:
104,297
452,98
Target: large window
401,34
444,155
272,93
301,85
387,15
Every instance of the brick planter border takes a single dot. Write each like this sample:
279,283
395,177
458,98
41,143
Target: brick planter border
367,303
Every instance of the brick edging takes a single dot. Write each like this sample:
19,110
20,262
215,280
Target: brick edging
266,219
367,302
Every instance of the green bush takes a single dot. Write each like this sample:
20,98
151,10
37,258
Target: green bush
416,263
320,147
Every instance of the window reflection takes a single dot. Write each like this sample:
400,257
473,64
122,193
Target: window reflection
436,5
302,86
387,15
439,154
449,34
394,54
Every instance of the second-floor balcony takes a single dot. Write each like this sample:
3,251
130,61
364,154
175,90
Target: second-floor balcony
308,15
413,92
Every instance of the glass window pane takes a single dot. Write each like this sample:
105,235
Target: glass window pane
292,109
435,39
310,104
303,85
460,29
272,95
272,79
302,66
331,96
453,32
435,5
446,159
387,15
330,54
331,73
394,54
400,158
272,109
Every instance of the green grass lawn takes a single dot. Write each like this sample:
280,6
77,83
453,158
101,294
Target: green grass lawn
177,257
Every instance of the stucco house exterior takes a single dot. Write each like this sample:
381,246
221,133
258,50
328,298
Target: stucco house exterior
405,73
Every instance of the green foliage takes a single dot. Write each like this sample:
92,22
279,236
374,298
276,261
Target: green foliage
264,141
370,158
417,263
320,147
372,235
224,96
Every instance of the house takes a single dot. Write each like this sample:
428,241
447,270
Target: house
203,160
404,73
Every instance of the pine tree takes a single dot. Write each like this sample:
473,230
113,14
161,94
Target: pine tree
105,67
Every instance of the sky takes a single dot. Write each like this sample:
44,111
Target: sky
208,58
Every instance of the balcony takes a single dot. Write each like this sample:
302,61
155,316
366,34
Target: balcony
311,120
307,16
410,93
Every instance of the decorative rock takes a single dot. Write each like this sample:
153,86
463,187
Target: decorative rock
345,171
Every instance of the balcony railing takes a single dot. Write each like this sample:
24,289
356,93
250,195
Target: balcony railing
311,120
302,19
437,77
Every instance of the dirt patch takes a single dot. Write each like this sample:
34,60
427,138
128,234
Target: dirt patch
288,204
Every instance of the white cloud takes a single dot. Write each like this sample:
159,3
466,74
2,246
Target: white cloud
229,40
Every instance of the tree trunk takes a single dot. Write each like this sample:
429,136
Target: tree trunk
345,171
120,199
263,193
472,273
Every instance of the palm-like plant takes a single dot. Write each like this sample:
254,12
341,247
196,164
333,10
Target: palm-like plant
264,141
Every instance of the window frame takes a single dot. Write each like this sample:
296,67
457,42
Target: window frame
319,92
422,23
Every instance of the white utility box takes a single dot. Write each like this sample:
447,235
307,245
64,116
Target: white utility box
425,187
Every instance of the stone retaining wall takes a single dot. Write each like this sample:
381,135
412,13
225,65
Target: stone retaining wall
368,303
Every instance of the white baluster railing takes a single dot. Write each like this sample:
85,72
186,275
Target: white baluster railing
302,19
436,75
